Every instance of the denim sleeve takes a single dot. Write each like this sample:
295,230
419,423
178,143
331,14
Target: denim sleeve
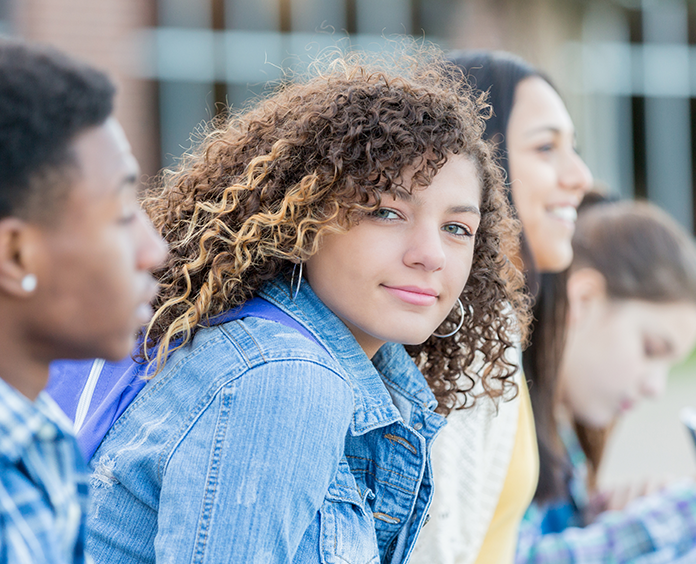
249,475
655,529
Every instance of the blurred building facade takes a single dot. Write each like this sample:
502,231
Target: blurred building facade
627,68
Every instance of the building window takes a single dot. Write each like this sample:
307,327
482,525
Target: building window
211,54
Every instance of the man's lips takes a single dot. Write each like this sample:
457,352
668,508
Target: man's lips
413,295
144,310
143,313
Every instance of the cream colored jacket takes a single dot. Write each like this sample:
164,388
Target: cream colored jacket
470,460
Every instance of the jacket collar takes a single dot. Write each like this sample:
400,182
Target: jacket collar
398,369
373,405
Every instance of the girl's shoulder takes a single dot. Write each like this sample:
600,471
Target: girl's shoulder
260,340
243,367
231,353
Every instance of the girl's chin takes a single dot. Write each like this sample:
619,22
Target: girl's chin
554,258
595,421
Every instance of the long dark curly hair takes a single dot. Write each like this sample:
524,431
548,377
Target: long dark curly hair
261,187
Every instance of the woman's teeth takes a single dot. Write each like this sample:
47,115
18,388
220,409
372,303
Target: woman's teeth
566,213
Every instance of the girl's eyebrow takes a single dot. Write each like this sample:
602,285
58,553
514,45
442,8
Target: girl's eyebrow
543,128
465,209
407,196
403,194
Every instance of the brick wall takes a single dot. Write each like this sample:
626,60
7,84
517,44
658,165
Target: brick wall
99,32
534,29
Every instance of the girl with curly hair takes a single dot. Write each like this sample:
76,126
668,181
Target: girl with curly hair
336,252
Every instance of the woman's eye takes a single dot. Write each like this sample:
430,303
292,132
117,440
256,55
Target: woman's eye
546,148
129,208
457,230
126,219
128,214
385,213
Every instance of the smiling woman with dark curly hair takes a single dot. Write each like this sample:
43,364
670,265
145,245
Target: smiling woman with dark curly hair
311,237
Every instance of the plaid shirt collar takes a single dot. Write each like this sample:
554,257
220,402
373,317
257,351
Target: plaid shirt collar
22,422
577,487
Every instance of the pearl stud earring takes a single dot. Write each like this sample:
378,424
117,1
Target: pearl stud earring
29,283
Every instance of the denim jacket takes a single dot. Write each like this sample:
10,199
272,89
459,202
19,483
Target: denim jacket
256,445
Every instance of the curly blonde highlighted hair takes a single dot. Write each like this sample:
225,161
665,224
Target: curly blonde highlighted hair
255,196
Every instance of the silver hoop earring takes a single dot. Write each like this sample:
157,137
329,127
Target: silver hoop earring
292,281
29,283
461,322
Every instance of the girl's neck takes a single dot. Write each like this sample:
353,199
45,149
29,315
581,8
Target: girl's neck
562,412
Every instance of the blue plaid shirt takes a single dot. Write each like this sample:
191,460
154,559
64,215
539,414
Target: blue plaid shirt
43,483
656,529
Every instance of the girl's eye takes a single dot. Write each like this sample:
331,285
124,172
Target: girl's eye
457,230
129,208
655,348
385,213
546,148
128,214
126,219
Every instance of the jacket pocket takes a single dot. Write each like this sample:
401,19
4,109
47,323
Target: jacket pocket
347,526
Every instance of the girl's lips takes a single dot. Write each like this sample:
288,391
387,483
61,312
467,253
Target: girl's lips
565,213
412,295
626,405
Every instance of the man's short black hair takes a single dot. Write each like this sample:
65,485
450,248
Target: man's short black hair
46,100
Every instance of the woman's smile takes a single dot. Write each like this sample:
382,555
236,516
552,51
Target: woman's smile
565,213
548,177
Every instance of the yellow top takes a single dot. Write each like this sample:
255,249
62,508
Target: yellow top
518,489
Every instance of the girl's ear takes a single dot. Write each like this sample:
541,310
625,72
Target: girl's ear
18,253
586,287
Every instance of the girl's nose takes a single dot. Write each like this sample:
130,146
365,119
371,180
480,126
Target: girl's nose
574,174
426,249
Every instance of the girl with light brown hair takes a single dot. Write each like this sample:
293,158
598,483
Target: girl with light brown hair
629,308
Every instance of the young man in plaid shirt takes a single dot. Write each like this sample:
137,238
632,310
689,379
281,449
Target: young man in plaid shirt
75,258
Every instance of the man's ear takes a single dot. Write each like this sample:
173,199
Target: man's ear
19,243
585,288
